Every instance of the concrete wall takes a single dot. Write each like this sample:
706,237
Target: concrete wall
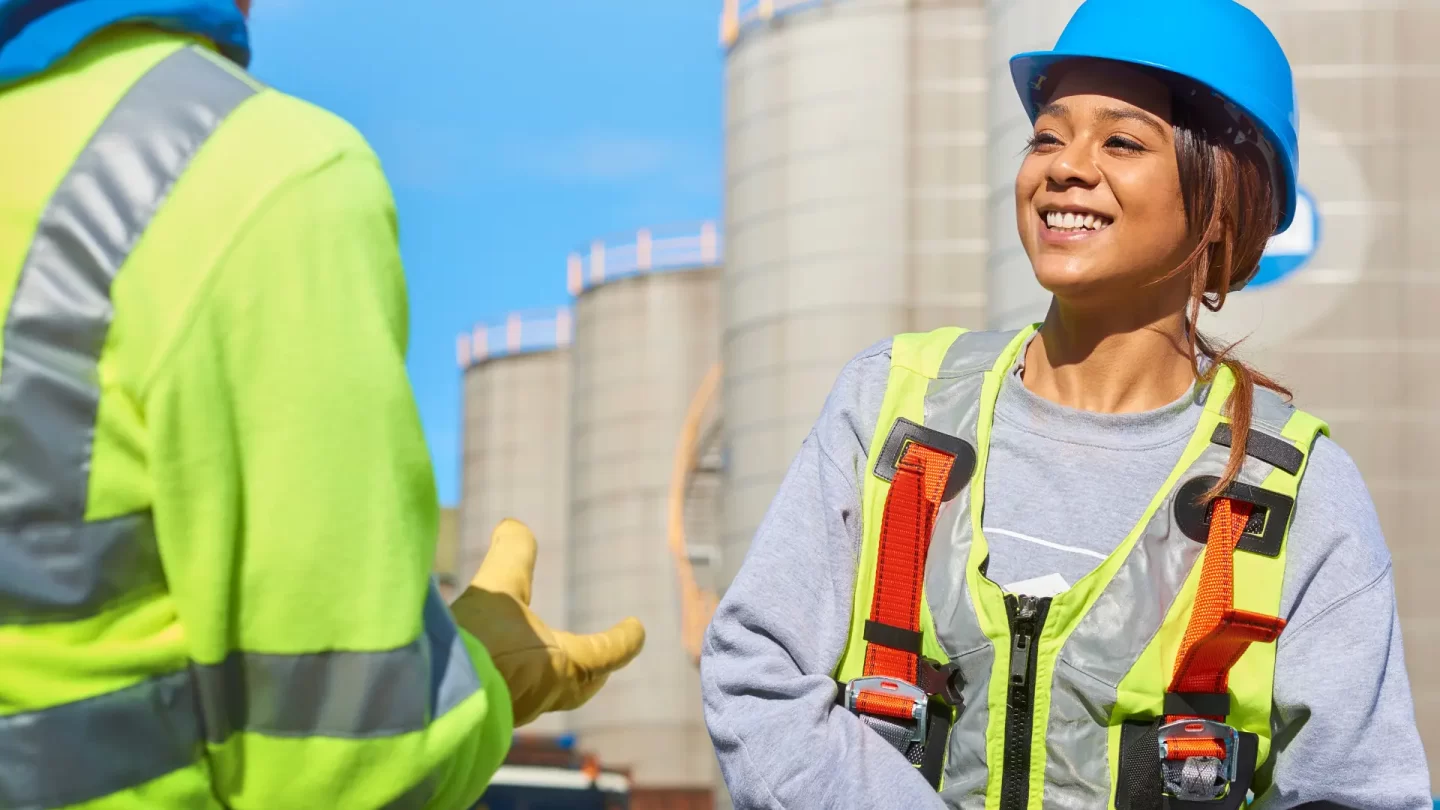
515,464
642,345
1350,330
855,210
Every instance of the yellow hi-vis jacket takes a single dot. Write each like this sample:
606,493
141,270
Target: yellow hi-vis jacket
218,508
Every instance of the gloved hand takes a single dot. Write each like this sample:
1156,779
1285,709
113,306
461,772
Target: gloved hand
546,670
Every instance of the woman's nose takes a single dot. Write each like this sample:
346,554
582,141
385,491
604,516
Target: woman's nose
1073,166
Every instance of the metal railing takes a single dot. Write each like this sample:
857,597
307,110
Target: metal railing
675,247
520,333
738,15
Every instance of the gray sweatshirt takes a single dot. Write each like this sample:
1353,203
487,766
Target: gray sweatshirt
1063,488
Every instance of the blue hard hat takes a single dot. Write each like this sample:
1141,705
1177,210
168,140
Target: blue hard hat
1218,43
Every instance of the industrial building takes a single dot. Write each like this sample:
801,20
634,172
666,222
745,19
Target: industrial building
608,449
871,148
515,457
646,336
854,209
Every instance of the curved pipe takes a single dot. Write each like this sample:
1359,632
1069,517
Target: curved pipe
696,605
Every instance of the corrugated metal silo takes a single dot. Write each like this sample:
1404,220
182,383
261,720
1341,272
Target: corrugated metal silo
855,208
516,453
646,335
1343,309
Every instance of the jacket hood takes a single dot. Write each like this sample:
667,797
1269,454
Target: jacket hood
35,34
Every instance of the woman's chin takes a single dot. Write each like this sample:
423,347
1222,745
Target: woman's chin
1067,277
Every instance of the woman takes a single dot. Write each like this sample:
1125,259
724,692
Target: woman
1074,648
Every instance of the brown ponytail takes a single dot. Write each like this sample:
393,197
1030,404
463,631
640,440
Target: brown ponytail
1229,198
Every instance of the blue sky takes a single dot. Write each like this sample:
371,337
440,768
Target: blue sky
512,134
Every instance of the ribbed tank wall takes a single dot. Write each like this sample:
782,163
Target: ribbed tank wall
855,210
515,462
1350,331
642,346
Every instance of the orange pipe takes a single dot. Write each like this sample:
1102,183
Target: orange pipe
697,606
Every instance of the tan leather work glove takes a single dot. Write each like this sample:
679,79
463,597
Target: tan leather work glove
546,670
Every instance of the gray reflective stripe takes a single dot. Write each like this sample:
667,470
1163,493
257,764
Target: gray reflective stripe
87,749
952,406
974,351
87,563
53,565
1269,412
341,694
452,674
91,748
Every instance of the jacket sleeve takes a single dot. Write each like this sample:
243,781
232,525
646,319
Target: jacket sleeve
1344,719
296,515
778,633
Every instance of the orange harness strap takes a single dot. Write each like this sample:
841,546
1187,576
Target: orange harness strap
905,529
1218,634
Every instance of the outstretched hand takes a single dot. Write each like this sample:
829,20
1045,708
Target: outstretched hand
546,670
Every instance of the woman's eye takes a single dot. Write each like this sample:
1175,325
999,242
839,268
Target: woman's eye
1118,142
1041,140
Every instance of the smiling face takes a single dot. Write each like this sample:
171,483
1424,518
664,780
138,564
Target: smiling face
1098,199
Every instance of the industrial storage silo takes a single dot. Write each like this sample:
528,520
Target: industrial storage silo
855,208
1343,309
516,451
646,335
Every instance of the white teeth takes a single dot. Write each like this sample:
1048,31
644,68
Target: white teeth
1064,221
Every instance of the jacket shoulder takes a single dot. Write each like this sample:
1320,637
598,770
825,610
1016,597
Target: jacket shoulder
279,135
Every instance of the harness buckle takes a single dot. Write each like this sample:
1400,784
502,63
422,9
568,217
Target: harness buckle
892,688
1201,778
944,681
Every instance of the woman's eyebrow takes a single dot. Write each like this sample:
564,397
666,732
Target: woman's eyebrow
1113,114
1108,114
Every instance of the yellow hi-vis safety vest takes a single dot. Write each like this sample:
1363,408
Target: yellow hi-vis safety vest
217,515
1060,699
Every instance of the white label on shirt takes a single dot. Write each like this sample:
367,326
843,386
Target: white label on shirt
1048,585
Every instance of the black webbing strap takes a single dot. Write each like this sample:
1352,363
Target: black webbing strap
1141,784
932,763
1196,704
896,638
1272,450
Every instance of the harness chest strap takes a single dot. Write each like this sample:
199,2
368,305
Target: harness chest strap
898,685
1198,750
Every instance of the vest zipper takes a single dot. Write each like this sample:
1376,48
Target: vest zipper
1027,617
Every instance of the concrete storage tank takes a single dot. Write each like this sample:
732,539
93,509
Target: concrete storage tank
516,451
1347,298
646,335
855,208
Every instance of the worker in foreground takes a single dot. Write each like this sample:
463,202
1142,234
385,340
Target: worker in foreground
1098,562
218,510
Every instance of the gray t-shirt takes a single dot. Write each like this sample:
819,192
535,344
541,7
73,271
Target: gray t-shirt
1063,488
